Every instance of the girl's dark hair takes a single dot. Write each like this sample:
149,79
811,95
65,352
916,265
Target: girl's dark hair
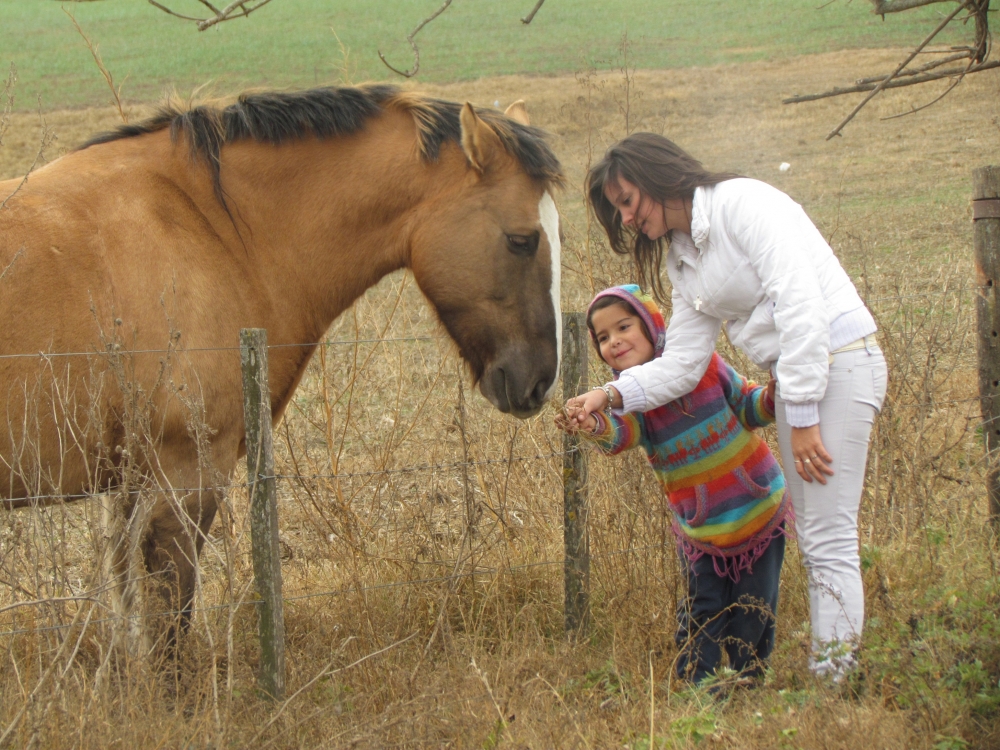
610,301
661,170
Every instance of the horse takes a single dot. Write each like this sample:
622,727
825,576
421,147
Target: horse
129,265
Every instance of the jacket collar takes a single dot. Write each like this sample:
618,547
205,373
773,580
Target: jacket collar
701,207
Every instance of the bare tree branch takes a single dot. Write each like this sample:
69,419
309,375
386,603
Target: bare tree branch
895,83
948,19
916,71
895,6
236,9
413,44
976,55
932,102
528,18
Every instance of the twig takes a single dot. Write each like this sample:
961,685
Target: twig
894,84
917,71
528,18
324,672
237,9
935,100
413,44
46,141
96,54
13,260
948,19
8,105
895,6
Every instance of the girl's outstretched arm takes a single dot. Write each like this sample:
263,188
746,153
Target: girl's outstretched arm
615,433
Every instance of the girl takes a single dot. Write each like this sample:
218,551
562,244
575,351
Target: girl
726,491
742,253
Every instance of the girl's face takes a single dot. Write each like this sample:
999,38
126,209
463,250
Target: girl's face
621,337
643,213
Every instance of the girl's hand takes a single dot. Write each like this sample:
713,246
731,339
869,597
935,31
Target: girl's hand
581,407
568,423
770,389
811,459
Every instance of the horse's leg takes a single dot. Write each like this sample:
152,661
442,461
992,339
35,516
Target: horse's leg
178,527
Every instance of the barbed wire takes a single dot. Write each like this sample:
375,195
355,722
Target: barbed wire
342,342
479,570
186,350
286,477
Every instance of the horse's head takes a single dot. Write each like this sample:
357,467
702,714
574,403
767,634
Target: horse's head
486,254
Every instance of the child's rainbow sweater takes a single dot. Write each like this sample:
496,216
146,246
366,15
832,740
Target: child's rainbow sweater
725,488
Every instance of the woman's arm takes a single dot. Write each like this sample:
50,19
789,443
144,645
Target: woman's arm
688,349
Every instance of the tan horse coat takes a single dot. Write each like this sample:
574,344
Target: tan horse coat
124,246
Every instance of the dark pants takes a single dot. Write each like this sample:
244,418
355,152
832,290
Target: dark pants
720,613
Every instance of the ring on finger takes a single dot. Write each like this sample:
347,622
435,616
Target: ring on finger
806,461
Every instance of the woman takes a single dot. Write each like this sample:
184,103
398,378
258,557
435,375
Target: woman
743,254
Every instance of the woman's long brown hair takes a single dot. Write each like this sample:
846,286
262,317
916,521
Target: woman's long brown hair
661,170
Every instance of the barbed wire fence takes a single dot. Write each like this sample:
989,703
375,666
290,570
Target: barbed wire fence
262,485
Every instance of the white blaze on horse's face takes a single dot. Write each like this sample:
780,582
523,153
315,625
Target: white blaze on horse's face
549,217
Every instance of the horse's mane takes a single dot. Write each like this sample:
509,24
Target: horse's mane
278,117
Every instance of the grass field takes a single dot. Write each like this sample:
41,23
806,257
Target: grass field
401,658
418,663
292,42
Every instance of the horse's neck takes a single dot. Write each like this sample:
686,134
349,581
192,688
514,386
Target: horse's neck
327,219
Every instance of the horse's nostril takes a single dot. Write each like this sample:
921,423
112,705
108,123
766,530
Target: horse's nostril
541,388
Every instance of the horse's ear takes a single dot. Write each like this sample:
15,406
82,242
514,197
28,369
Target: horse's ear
518,112
479,142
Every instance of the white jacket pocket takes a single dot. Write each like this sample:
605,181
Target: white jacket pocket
756,335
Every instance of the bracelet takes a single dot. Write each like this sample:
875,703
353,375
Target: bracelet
609,393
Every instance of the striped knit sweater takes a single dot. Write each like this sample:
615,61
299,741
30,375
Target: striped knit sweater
725,488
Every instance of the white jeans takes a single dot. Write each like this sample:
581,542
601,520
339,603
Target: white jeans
826,516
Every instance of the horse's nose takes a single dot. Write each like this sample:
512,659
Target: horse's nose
540,390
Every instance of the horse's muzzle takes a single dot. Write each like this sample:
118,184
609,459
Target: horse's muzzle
518,387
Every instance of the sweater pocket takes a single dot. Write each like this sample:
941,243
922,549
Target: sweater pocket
694,510
746,482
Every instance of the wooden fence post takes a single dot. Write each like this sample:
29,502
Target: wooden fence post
263,511
576,567
986,233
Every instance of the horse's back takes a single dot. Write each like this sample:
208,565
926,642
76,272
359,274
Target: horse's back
103,253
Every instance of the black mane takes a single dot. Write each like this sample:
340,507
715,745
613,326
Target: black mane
328,112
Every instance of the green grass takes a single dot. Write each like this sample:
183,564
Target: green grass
292,42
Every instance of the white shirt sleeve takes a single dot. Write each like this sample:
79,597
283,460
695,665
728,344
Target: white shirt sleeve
687,351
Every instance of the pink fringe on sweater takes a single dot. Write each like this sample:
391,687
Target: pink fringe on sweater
742,559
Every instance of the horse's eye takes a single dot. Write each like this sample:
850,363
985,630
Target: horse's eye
522,244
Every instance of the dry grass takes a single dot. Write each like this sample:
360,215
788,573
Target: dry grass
445,628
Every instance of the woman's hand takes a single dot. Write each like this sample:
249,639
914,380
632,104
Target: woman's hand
811,459
581,407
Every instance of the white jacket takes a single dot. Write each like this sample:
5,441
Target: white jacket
755,261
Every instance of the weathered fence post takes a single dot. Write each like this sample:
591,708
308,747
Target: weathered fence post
263,511
577,542
986,233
